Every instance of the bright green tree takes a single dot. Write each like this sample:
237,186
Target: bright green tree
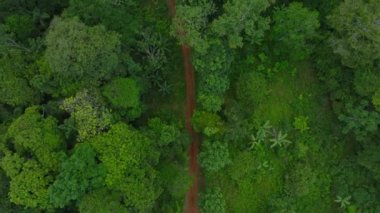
88,113
128,157
41,136
78,55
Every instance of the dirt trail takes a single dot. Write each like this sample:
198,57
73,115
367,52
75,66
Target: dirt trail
191,203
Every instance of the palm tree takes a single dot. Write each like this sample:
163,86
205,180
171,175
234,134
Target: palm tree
280,140
261,134
344,202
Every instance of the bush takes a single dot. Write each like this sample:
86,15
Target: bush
214,156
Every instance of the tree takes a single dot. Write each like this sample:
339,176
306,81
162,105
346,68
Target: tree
370,159
214,155
41,136
213,70
78,55
212,201
102,200
111,14
279,140
190,22
207,123
30,186
35,158
242,19
88,113
19,25
359,120
124,95
294,26
79,174
163,133
356,37
15,89
128,157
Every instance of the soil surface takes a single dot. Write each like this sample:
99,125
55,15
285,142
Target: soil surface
191,203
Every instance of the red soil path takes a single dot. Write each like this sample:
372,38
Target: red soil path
191,204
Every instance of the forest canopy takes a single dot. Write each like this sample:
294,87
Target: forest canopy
205,106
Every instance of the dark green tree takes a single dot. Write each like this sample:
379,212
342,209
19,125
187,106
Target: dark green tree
78,175
356,37
124,96
242,19
294,27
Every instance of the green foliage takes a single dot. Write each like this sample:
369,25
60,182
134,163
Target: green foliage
20,25
111,14
301,123
214,156
41,136
88,113
190,22
128,157
124,94
362,122
175,180
293,27
376,100
79,56
251,89
356,37
213,201
366,82
163,133
207,123
79,174
101,201
212,67
14,87
30,186
242,19
370,159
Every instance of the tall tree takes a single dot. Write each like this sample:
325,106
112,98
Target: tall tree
242,19
78,55
294,27
78,175
128,157
88,113
356,36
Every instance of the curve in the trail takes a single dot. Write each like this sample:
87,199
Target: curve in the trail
191,203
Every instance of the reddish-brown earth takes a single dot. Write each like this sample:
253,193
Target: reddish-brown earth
191,203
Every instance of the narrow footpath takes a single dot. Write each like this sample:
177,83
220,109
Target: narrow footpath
191,203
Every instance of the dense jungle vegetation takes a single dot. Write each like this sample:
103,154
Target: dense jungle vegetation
92,105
